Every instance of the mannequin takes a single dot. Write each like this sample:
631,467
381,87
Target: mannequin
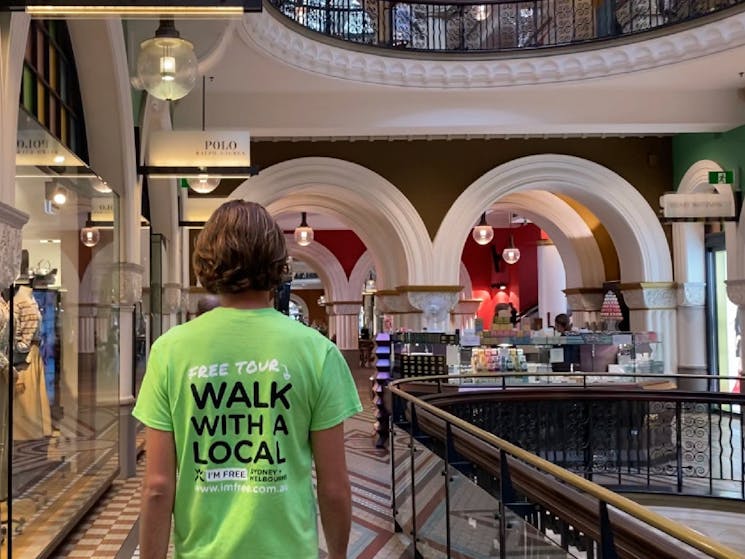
31,413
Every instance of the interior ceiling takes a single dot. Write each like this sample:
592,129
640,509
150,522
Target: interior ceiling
274,100
252,90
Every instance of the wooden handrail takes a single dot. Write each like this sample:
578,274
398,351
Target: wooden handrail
673,529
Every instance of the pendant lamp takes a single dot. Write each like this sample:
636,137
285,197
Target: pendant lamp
90,236
203,184
303,232
166,64
511,254
483,233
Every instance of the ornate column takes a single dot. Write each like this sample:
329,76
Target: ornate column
551,280
691,318
736,294
653,307
435,302
11,222
585,303
344,318
393,302
464,314
130,292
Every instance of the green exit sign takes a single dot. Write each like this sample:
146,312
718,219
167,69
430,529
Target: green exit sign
721,177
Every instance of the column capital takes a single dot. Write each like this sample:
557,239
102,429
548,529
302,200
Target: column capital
691,294
11,223
171,296
130,282
650,295
343,307
584,299
466,306
393,301
435,302
736,291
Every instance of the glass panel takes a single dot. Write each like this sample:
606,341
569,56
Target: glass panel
65,406
28,90
5,387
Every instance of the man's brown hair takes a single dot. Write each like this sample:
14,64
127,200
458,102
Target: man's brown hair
241,247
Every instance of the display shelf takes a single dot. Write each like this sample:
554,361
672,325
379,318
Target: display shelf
380,381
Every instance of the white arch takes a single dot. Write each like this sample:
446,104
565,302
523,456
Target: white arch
300,302
632,224
573,238
324,263
465,281
383,217
360,273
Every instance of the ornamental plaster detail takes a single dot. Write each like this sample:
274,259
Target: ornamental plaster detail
736,291
435,306
268,32
692,294
586,302
130,283
398,303
651,297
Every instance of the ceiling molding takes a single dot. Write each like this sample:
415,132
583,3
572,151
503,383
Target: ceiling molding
267,33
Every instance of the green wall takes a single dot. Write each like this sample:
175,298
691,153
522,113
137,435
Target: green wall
725,148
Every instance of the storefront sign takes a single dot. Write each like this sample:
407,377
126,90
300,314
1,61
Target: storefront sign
37,147
702,205
210,148
102,209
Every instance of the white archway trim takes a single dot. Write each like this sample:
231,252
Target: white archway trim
571,235
325,264
300,302
209,60
376,207
696,178
359,274
465,280
632,224
269,32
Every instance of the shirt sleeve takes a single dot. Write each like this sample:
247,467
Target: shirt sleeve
153,407
337,398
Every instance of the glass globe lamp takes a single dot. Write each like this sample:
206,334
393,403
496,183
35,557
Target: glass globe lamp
511,254
303,233
203,184
166,64
483,233
90,236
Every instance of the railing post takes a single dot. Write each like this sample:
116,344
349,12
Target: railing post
506,494
607,546
679,445
392,450
412,463
446,473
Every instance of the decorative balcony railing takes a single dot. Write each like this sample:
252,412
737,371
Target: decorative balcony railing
493,26
534,457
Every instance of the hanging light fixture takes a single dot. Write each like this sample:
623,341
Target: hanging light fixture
303,232
90,236
483,233
166,64
321,301
511,254
203,184
370,286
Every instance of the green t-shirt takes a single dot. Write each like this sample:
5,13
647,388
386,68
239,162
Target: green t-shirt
241,390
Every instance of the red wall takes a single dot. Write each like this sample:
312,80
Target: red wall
520,279
344,244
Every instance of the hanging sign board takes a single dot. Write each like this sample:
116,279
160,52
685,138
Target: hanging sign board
698,205
102,209
199,148
38,147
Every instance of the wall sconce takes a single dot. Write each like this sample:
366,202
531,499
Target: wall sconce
90,236
303,232
483,233
166,64
321,301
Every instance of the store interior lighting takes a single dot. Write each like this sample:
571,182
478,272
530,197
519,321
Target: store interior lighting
511,254
166,64
303,232
483,233
90,236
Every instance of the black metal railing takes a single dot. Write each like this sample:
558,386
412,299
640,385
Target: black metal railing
490,26
534,458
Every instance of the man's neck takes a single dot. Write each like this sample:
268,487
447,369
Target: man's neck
248,299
